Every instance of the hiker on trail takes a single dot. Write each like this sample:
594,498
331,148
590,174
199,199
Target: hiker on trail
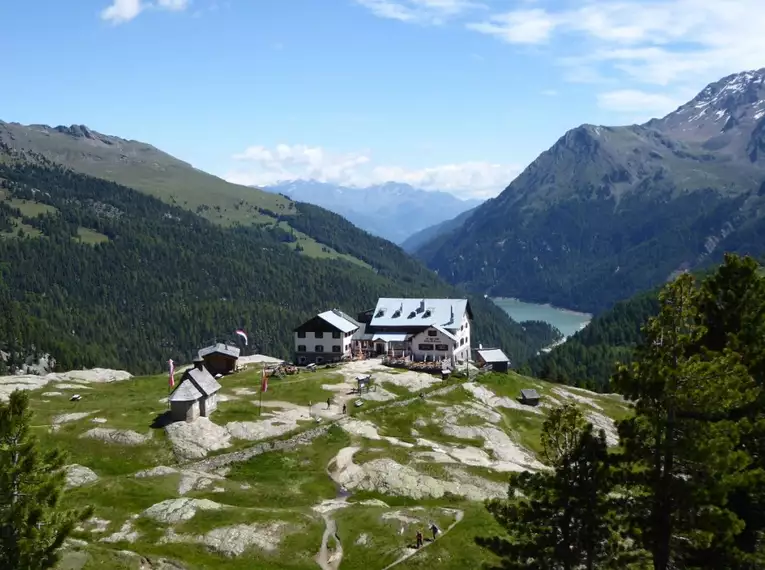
419,539
329,402
345,409
434,529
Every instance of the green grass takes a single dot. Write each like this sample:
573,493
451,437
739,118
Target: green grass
286,478
298,389
312,248
384,539
30,208
90,237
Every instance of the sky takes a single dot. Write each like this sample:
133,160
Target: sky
455,95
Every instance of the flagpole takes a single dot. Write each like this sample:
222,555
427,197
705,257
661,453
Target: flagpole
262,379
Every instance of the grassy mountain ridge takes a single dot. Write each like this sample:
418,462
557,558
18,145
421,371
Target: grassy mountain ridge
147,169
610,211
160,280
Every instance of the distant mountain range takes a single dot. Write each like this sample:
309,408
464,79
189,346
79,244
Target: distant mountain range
610,211
392,210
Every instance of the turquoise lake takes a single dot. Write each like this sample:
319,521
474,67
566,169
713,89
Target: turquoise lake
567,322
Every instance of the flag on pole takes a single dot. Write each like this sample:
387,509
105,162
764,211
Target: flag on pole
242,334
264,381
171,378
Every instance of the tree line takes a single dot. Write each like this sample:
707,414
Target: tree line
685,489
167,281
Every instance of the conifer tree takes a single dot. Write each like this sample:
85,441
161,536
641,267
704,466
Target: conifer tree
33,525
563,518
680,466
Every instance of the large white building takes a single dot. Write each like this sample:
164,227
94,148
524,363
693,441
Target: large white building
327,337
421,329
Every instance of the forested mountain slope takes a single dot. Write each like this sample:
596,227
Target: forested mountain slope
607,212
96,273
414,242
589,358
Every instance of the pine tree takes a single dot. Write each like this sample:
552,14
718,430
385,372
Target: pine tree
732,305
33,525
680,466
563,518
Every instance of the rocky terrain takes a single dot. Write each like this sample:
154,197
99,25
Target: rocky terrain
294,483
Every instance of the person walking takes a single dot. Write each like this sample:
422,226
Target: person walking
345,409
434,529
419,539
329,402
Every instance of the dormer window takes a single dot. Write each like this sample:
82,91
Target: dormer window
432,332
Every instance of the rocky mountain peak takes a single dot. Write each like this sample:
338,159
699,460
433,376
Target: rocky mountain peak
734,103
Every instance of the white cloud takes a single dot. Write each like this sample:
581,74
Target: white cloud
675,45
549,92
431,12
638,102
121,11
267,166
659,42
532,26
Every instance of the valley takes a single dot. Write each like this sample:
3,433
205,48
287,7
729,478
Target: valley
263,487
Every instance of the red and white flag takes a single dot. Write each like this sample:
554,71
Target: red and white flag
263,381
171,378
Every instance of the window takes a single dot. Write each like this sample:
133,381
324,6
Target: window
319,335
319,348
442,347
301,348
336,334
425,347
432,332
319,360
337,348
301,360
301,334
462,341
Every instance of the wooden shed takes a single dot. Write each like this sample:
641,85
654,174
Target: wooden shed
530,397
493,357
220,358
195,395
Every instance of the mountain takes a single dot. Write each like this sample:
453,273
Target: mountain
147,169
392,210
99,274
610,211
417,240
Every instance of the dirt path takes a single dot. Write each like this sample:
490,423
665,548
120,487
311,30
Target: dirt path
324,559
458,516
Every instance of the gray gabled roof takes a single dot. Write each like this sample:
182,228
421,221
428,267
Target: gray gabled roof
342,323
391,312
530,394
221,348
444,332
490,355
203,380
185,392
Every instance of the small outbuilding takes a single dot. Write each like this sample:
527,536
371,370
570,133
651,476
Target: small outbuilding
493,357
195,395
220,358
529,397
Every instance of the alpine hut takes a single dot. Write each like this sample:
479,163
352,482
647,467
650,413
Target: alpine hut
195,395
220,358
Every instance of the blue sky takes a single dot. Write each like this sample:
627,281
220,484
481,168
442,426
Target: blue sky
444,94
